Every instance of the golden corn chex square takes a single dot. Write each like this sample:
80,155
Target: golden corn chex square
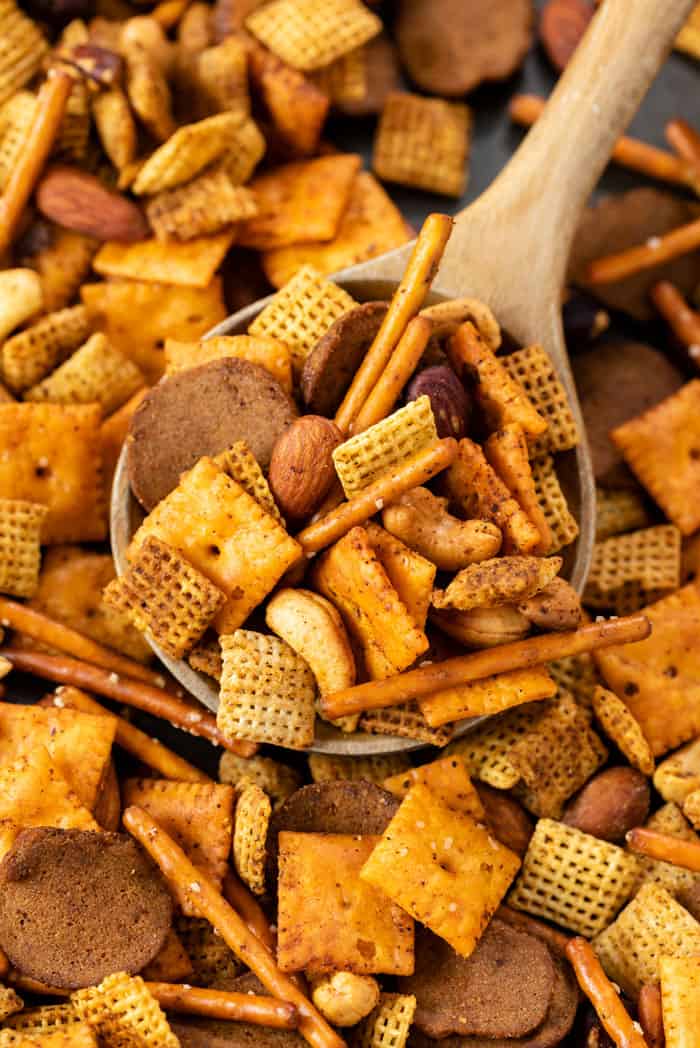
166,596
187,152
212,960
239,463
533,369
622,728
618,510
16,118
45,1019
20,546
124,1014
205,656
573,879
253,810
485,750
563,526
632,570
222,76
244,153
30,355
95,373
366,456
74,133
326,768
278,780
345,79
307,35
206,205
662,448
10,1002
653,925
23,48
389,1024
556,757
423,142
301,312
577,675
442,867
407,722
329,917
267,691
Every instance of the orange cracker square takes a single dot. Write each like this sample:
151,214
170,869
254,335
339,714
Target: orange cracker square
447,778
269,353
331,920
51,456
442,867
486,697
190,263
662,447
411,575
226,535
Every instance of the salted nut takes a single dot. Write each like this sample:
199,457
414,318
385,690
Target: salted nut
345,998
301,467
77,200
483,627
421,520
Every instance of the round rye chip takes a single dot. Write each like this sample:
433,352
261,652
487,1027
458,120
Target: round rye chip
331,364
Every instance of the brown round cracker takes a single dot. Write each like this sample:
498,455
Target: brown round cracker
77,905
331,364
450,46
330,807
503,989
203,411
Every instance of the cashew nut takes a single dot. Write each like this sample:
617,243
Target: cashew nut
421,520
344,999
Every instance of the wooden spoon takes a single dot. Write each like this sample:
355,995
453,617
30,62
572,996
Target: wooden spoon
510,248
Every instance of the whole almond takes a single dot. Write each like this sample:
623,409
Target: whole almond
78,200
301,467
610,804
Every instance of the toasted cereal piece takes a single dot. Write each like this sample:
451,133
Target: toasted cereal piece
371,224
488,696
198,815
148,91
485,750
532,368
31,354
446,317
388,1025
344,80
679,774
327,913
666,663
166,596
351,576
164,312
187,151
253,810
95,373
299,202
573,879
222,76
10,1002
16,118
223,532
20,546
78,1036
620,726
55,461
307,37
239,463
325,768
659,447
124,1014
207,204
447,778
426,855
423,142
475,487
21,298
190,263
205,656
212,960
406,721
653,925
576,674
245,153
556,757
267,691
22,50
269,353
562,525
72,140
500,580
302,312
115,126
45,1019
630,571
680,992
617,511
366,456
278,780
62,259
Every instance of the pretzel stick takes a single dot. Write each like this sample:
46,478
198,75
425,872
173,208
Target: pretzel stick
220,1004
55,635
401,365
627,152
50,107
518,655
187,882
609,268
557,941
683,321
668,849
243,900
416,470
650,1015
159,703
603,996
686,142
149,751
407,300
